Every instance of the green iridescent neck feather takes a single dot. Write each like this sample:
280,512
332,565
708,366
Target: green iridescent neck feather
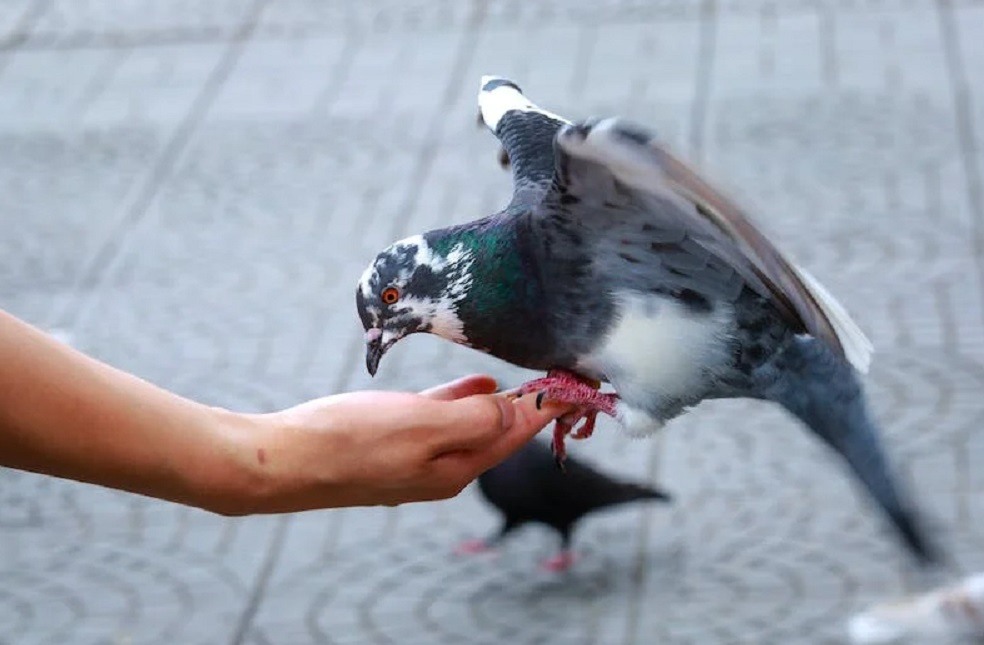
502,310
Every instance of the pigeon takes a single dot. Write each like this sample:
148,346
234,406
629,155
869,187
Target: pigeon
616,263
945,614
528,487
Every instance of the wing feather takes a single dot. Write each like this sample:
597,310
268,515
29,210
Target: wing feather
797,291
603,161
526,132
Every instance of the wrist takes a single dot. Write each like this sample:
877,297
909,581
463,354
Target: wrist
278,464
235,481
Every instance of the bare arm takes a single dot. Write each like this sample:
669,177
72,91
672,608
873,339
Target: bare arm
63,413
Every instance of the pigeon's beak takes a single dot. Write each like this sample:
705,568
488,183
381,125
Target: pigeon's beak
374,349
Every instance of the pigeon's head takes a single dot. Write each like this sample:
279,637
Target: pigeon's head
413,286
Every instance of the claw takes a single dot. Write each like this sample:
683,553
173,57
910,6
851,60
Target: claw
559,459
561,430
582,394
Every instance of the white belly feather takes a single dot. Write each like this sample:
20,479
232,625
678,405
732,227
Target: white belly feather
659,348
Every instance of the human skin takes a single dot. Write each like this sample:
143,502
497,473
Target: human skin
66,414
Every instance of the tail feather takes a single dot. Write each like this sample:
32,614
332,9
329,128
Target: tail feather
823,391
636,492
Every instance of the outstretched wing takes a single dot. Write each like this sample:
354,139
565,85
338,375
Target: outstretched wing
526,133
671,230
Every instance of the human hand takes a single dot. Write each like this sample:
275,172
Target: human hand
373,447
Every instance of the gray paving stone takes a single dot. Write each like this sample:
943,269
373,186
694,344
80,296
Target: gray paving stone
87,565
53,220
45,88
234,166
95,22
156,84
280,79
388,16
13,14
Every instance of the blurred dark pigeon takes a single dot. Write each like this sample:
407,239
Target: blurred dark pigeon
528,487
614,262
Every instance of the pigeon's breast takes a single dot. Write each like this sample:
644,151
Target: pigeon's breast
657,347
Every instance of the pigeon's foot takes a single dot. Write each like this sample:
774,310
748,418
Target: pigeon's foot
562,428
473,547
566,387
559,563
586,429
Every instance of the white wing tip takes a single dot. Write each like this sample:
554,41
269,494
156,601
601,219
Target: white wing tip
857,347
504,97
495,102
487,78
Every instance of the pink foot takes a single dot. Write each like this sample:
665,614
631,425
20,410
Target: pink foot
562,428
587,428
566,387
561,562
472,547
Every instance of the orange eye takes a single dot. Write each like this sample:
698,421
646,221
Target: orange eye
390,295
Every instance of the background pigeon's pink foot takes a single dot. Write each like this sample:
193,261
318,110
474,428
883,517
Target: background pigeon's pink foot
472,547
566,387
561,562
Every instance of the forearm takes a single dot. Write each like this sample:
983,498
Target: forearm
65,414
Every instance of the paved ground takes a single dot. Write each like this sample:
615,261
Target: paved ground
190,190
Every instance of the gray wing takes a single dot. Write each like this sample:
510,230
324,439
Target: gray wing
526,133
666,229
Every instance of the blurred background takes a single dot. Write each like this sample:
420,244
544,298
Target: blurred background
189,190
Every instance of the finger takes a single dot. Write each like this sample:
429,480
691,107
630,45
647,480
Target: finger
470,423
527,423
480,424
460,388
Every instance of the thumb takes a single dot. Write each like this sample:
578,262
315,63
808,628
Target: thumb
493,421
527,422
503,413
473,422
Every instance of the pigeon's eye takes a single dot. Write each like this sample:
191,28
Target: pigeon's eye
390,295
